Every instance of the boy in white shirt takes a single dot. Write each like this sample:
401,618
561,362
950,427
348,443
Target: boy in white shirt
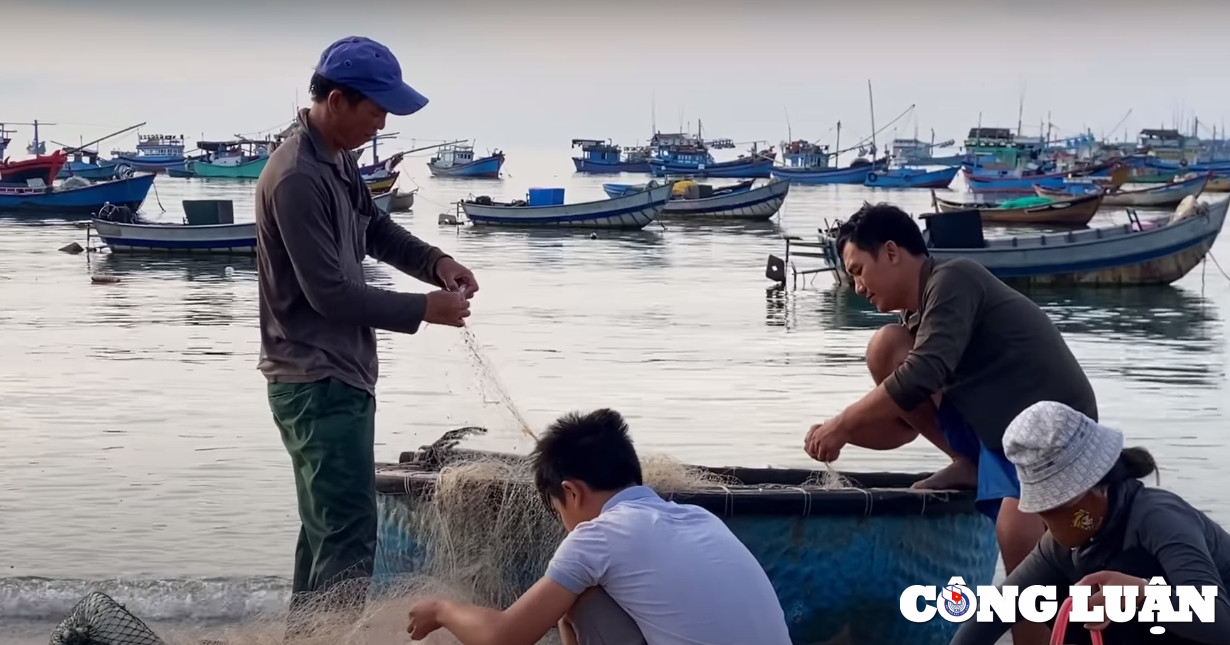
634,569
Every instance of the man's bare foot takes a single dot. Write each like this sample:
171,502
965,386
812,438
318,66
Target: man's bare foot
961,473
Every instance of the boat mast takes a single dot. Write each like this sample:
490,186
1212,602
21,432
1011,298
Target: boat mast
872,105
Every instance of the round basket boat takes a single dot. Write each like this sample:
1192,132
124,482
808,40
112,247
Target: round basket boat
839,558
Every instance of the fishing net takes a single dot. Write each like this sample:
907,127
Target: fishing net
486,536
100,620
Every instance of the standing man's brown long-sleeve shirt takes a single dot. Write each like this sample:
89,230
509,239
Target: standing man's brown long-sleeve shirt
990,351
315,223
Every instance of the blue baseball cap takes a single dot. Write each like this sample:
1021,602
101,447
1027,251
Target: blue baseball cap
371,69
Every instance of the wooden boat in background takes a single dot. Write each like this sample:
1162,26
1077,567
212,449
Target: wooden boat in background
1141,252
382,184
76,196
1067,210
632,211
208,227
459,161
1170,194
606,157
42,168
911,178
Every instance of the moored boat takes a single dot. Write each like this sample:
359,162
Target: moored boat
1140,252
44,168
238,159
734,202
911,178
154,153
1157,195
619,190
382,184
459,161
1068,210
545,207
601,157
75,196
208,227
833,553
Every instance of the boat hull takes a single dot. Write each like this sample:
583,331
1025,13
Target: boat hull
755,204
1154,196
152,163
1066,211
245,170
761,168
819,176
43,167
382,184
172,238
912,178
600,167
86,200
1158,252
485,168
631,212
92,172
836,558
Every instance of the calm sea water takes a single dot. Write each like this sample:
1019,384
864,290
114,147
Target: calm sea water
136,442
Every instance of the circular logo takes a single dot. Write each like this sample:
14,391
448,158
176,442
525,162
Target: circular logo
956,603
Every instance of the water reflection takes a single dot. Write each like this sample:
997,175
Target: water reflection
1161,335
569,247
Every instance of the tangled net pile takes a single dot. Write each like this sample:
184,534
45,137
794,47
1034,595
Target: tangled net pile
487,536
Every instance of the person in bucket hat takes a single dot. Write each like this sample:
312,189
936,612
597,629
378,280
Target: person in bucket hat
1101,520
316,223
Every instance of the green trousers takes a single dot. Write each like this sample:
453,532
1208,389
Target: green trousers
328,428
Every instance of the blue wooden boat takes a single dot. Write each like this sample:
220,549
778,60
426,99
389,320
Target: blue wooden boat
459,161
73,199
838,558
855,173
154,153
739,202
694,160
1141,252
89,166
1016,181
912,178
629,212
1158,195
601,157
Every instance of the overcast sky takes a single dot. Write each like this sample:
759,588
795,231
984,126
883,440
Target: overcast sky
535,74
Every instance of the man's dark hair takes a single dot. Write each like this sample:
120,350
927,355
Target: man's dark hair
594,448
320,87
872,226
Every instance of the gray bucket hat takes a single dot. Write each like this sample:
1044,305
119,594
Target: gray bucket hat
1059,454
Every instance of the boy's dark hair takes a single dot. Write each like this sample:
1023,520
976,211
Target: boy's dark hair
594,448
320,87
872,226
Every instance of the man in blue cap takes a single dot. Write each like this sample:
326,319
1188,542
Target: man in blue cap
316,222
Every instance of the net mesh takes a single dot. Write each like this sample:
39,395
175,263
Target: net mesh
100,620
486,536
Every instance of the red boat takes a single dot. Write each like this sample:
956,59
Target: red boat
44,167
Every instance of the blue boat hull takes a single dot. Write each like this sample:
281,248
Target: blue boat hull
487,167
619,190
151,163
93,172
601,167
912,178
129,192
816,176
839,560
749,169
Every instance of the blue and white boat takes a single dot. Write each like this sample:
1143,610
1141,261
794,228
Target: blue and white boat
911,178
619,190
208,227
602,157
697,162
459,161
155,153
810,163
632,211
75,197
741,202
1141,252
87,165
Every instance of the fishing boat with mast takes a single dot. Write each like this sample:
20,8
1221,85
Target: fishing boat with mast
457,160
603,157
43,168
239,158
88,164
687,155
155,153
